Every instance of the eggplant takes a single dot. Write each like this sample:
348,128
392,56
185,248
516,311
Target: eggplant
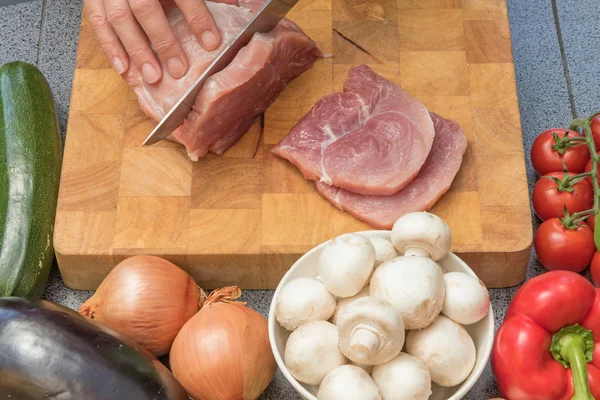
48,351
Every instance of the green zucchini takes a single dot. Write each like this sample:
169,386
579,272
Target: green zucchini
30,163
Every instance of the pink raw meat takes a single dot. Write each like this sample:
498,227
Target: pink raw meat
231,100
371,139
431,183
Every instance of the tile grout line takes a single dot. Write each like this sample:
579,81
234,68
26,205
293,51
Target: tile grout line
563,56
41,36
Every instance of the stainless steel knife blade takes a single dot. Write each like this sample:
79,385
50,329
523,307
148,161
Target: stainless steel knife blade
269,15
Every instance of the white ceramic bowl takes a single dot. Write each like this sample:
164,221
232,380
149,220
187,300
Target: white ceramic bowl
482,332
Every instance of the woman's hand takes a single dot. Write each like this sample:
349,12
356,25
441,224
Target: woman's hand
126,29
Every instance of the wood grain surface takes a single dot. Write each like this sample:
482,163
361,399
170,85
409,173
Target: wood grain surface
245,217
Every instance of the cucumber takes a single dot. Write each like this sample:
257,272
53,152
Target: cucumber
30,164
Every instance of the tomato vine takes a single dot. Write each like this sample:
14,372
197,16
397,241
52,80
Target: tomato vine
572,221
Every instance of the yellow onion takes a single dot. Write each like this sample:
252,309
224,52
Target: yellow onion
147,299
223,352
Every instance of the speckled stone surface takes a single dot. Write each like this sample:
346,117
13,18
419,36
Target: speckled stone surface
545,100
58,48
580,30
20,31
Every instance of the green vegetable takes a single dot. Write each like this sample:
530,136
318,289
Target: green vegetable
30,163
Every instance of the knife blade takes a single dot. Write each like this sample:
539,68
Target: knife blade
269,15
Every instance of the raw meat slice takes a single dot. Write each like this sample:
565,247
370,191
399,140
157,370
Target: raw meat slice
231,100
371,139
421,194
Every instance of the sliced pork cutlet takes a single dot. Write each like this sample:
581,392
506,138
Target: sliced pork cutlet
433,180
372,139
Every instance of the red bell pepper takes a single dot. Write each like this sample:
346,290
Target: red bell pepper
548,347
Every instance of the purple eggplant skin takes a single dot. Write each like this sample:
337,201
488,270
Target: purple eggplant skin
48,351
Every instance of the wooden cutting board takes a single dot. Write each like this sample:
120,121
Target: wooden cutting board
245,217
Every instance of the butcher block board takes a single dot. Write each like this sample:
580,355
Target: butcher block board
244,218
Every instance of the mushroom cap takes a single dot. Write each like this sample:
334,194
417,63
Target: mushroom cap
414,286
423,232
367,368
384,250
348,382
303,300
467,300
447,350
370,331
403,378
346,263
343,303
312,351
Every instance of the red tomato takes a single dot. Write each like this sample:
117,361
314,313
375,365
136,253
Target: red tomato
560,248
596,130
595,269
546,160
549,202
588,168
591,221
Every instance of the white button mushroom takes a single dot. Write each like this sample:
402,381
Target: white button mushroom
447,350
467,299
384,250
422,234
403,378
312,351
346,263
371,331
364,367
348,382
343,303
303,300
414,286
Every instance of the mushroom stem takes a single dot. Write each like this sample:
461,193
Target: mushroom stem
418,252
363,343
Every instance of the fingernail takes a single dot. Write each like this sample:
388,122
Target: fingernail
176,67
209,40
149,72
118,65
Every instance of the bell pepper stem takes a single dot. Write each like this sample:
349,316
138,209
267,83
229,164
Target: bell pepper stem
573,347
572,351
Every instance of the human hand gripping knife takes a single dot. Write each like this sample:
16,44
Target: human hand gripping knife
269,15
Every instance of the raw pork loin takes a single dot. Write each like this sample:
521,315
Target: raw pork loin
371,139
431,183
231,100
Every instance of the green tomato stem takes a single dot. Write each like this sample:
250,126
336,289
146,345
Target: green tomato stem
585,126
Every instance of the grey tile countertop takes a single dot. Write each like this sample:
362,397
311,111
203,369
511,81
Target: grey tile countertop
555,45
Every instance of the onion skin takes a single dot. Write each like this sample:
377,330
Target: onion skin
223,353
147,299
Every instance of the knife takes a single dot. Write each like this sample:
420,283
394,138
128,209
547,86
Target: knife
264,20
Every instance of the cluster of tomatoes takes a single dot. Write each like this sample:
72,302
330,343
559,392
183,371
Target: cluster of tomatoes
561,197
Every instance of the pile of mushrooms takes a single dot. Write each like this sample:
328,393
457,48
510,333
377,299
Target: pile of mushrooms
382,320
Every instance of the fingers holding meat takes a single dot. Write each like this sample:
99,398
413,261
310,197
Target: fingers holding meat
133,38
152,19
128,30
106,36
201,22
